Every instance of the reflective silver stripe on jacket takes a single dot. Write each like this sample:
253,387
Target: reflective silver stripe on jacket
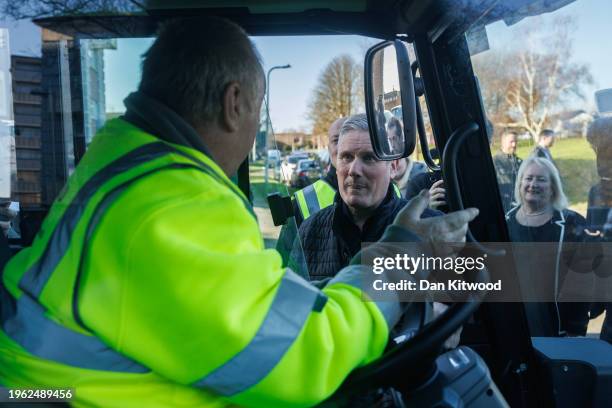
55,342
312,202
353,275
293,303
25,320
38,274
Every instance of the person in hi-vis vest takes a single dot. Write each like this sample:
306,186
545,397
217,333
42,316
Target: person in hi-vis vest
149,285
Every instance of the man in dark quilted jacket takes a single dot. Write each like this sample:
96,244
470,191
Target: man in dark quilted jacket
363,207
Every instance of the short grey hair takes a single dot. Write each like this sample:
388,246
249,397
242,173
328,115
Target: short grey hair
357,122
191,63
559,199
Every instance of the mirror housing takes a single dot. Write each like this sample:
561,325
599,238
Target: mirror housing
603,98
387,65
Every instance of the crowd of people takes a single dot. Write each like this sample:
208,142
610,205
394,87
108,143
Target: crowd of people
366,200
537,210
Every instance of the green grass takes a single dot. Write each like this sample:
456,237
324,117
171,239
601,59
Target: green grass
576,162
574,157
260,192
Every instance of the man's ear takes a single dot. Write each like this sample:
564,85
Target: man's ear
233,108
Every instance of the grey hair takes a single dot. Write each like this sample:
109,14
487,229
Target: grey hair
357,122
193,60
559,199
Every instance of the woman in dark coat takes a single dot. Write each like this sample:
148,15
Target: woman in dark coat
542,216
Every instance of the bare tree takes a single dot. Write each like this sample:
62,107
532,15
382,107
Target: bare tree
523,87
337,93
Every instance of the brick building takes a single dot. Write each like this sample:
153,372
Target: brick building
26,76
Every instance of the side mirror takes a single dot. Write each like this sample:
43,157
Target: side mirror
603,98
390,101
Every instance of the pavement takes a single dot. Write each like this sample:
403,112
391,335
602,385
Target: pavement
266,225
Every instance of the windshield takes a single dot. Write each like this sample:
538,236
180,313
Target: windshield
551,150
77,8
295,132
306,164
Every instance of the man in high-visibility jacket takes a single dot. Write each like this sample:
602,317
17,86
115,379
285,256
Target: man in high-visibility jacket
148,284
321,193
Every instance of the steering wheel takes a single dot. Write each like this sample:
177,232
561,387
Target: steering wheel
411,363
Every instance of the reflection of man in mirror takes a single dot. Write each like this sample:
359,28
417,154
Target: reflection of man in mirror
395,135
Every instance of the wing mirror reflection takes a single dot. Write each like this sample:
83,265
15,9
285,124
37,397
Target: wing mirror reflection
390,100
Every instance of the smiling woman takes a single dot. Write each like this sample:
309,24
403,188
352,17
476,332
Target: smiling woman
538,189
542,216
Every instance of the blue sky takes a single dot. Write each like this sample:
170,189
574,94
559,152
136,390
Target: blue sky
24,37
592,40
291,89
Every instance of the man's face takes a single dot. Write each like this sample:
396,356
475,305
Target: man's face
333,134
395,139
508,143
547,140
363,180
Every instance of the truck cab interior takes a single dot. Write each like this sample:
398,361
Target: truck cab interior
453,72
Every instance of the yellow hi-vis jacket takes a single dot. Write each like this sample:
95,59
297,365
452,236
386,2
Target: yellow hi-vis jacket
149,286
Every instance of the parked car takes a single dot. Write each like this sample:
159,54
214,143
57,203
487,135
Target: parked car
306,172
289,165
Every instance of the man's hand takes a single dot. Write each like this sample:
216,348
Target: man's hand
450,227
437,195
